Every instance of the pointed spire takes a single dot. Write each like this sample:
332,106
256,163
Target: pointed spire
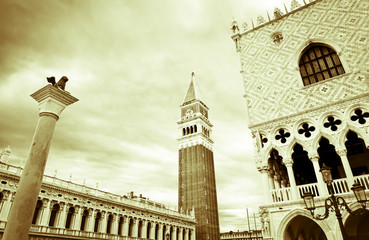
252,21
285,8
268,16
193,92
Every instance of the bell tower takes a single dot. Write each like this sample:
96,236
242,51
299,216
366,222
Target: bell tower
197,188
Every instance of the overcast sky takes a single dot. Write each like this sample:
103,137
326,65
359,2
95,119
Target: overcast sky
130,62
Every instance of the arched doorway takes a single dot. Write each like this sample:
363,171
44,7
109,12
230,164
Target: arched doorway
328,156
357,154
301,227
303,168
357,226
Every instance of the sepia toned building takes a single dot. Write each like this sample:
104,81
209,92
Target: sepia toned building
197,187
244,235
306,78
66,210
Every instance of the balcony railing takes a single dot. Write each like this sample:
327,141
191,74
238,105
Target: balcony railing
36,229
340,186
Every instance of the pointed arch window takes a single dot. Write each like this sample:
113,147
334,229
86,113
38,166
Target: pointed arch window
319,62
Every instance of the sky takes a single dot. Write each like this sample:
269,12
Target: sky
129,63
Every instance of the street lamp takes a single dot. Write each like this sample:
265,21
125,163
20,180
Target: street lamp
333,202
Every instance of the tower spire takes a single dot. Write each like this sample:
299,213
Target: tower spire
193,92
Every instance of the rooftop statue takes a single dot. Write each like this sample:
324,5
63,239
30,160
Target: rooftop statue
60,84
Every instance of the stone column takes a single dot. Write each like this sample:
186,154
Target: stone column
174,233
271,179
186,234
193,234
152,231
91,221
46,213
7,198
264,176
125,226
103,223
63,215
144,229
114,224
76,223
52,102
289,163
135,228
323,191
346,165
160,231
180,234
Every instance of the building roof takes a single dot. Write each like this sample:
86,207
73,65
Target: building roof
193,92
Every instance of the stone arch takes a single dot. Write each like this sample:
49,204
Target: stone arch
352,221
328,156
70,216
286,220
53,215
109,223
361,134
268,151
303,168
357,154
148,229
84,219
315,143
98,217
36,214
292,145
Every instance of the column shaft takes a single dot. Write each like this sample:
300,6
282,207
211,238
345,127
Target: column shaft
323,191
289,163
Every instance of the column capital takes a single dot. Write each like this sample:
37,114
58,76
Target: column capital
288,162
53,100
314,157
263,169
341,151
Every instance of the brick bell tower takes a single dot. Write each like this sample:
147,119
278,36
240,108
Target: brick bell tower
197,188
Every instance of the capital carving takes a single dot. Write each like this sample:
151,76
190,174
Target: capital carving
314,158
288,162
342,152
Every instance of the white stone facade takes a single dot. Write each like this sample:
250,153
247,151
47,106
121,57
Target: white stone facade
64,207
298,126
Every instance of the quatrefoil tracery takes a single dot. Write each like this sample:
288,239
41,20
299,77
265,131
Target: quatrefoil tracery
282,135
332,123
306,130
360,116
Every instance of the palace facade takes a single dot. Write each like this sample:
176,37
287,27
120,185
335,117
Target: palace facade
306,79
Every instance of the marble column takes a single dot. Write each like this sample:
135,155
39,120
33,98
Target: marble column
6,206
174,233
63,215
125,226
52,101
144,229
91,221
186,234
271,179
264,176
291,177
323,191
76,222
135,228
346,166
160,231
180,234
114,224
104,221
152,231
46,213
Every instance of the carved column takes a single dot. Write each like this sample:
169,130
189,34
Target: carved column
91,221
52,102
135,228
264,176
160,231
114,224
76,222
346,166
180,234
152,230
144,229
174,233
186,234
289,163
46,212
125,226
322,187
7,198
63,215
271,179
104,221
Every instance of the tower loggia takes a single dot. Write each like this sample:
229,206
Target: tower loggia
197,188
